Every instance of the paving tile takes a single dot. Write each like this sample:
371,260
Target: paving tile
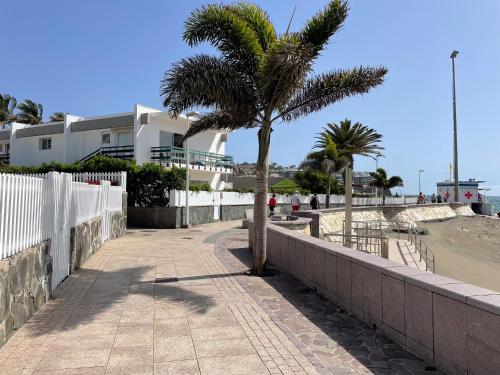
67,359
131,360
218,348
174,348
171,327
76,371
189,367
130,336
241,364
217,333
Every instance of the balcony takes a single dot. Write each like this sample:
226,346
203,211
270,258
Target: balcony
169,156
4,158
119,152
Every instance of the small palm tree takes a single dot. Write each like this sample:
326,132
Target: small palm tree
351,140
326,160
57,116
30,113
260,79
7,106
381,181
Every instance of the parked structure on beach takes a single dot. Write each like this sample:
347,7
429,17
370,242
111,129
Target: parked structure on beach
145,134
468,192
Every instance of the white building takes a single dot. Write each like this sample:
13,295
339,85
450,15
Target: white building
468,191
146,135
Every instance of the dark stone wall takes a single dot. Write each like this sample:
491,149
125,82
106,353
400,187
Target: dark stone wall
25,280
168,217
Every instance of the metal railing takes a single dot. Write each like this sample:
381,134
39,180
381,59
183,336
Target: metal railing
119,152
370,237
168,155
5,158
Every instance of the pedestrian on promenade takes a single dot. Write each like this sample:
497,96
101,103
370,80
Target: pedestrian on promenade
420,199
433,198
295,201
272,205
314,203
440,199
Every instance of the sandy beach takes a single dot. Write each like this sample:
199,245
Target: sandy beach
467,249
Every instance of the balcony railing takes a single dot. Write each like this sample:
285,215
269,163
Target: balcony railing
5,158
169,156
119,152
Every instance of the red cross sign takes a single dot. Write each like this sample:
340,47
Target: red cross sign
468,195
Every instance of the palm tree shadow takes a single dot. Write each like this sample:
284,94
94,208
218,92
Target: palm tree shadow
91,296
364,343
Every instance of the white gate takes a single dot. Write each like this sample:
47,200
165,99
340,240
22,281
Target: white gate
57,209
105,213
216,202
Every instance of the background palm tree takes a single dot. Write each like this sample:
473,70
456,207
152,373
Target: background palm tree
382,182
351,140
326,160
57,116
7,106
260,79
30,112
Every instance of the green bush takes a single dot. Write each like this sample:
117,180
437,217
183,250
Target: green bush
243,189
205,186
316,182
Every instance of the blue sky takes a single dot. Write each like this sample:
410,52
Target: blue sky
99,57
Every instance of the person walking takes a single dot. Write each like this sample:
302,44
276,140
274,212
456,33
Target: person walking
440,199
295,201
420,199
314,203
433,198
272,204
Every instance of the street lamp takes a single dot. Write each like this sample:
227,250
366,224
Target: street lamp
188,115
453,56
419,186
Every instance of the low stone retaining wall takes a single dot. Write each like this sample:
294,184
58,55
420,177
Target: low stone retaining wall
24,286
331,220
454,325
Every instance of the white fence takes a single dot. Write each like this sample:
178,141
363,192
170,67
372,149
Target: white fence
34,209
115,178
225,198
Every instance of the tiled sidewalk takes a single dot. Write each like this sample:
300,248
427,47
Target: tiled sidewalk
205,318
111,318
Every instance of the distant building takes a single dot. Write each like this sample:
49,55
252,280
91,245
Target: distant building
144,134
361,183
468,191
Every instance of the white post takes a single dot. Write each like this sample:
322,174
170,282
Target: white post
187,177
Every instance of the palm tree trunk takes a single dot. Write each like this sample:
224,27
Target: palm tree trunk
260,203
328,188
383,196
348,204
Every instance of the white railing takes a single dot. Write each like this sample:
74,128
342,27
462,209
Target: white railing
226,198
34,209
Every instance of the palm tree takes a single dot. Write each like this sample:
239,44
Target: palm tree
351,140
381,181
30,113
57,116
7,106
260,78
326,160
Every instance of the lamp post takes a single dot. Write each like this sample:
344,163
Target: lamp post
187,153
453,56
419,185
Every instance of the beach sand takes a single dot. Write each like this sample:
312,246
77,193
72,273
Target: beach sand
467,249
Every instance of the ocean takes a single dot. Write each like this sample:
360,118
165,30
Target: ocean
495,203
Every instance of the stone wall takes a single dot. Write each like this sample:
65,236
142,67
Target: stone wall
25,280
454,325
331,220
85,240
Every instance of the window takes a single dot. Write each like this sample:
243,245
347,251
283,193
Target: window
1,148
45,143
7,148
170,139
105,138
178,140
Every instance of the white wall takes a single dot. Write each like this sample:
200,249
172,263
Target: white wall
25,151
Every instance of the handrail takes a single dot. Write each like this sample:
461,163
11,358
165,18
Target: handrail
170,154
119,152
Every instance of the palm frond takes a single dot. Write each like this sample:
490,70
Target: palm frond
258,20
56,117
220,120
283,70
328,88
226,31
7,106
30,112
206,81
320,28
